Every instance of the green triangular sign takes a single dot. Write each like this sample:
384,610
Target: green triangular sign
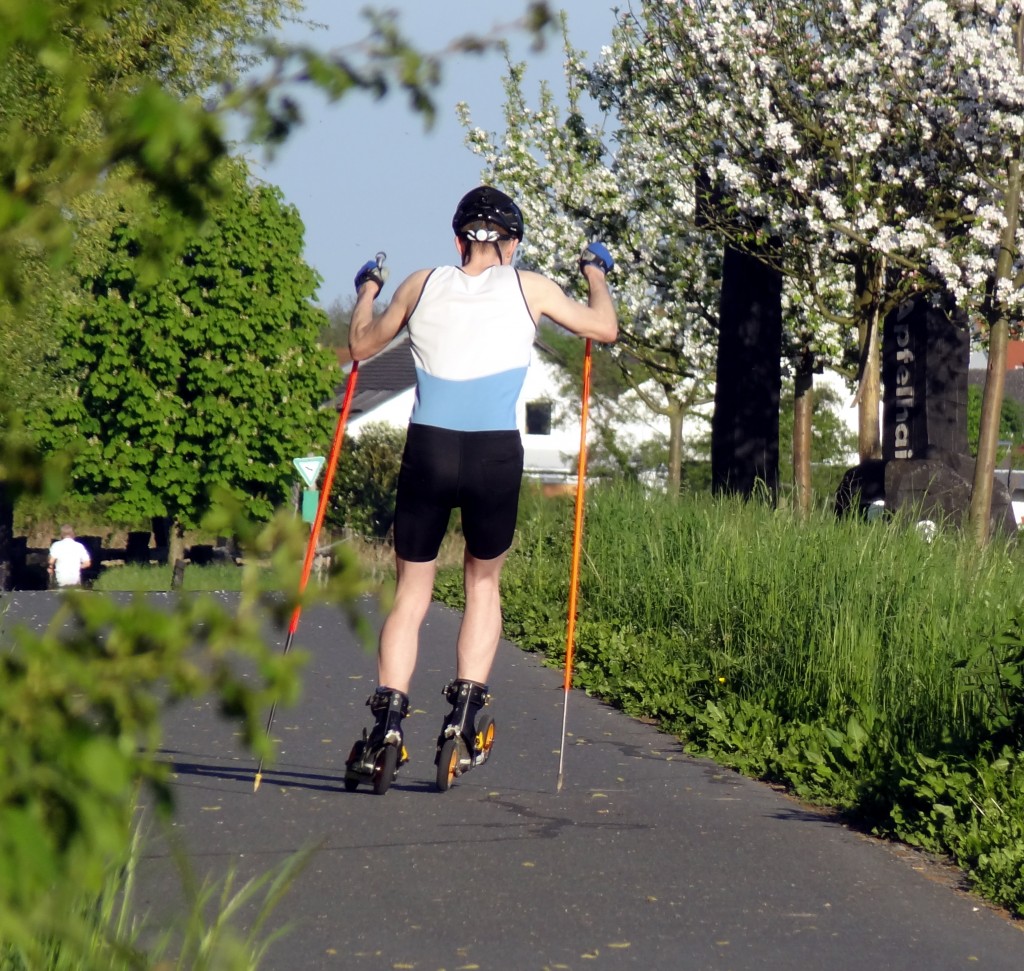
309,468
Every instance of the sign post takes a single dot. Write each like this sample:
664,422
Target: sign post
309,467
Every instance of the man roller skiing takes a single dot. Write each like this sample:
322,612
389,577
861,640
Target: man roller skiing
471,330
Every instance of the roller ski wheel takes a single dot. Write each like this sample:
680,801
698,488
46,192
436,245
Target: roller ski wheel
484,739
355,757
448,762
455,758
375,769
385,768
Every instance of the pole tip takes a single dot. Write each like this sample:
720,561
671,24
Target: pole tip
558,785
257,781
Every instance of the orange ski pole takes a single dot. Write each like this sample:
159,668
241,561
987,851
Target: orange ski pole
577,538
321,509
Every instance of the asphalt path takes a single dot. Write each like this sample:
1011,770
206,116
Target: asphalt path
647,858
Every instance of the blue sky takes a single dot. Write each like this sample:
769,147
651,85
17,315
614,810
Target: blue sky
366,176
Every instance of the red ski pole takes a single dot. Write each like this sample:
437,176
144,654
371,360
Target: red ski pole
307,565
577,538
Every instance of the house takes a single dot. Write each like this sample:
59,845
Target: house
386,389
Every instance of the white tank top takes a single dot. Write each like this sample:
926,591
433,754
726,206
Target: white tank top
471,339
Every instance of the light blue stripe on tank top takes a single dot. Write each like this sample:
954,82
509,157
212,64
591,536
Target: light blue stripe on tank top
477,405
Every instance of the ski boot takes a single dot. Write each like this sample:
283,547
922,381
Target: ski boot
465,740
376,758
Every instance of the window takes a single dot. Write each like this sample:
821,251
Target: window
538,418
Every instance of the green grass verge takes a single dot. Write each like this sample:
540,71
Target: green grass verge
859,665
133,578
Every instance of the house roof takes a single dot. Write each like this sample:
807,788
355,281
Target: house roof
381,377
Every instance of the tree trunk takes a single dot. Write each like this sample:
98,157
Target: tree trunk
869,390
675,448
176,543
995,377
803,408
999,336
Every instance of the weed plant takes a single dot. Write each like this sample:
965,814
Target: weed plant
860,664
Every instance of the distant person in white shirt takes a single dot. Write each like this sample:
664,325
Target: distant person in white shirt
68,558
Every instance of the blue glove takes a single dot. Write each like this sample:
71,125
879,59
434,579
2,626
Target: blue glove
371,270
596,254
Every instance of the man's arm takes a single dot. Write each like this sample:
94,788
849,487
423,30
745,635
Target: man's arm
596,318
367,334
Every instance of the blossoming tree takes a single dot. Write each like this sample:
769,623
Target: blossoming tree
871,138
572,188
575,182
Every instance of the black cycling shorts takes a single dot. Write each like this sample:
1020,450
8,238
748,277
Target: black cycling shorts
442,470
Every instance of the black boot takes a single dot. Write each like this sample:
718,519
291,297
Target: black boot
389,708
376,757
466,735
466,699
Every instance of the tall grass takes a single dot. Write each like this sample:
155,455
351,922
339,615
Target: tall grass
224,924
821,616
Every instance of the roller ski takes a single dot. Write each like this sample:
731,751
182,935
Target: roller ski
466,737
376,758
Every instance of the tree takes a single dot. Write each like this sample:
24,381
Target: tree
102,101
573,188
363,497
1005,294
868,138
628,187
830,441
81,704
339,314
97,98
210,377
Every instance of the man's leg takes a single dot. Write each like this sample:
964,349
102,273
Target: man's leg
481,622
399,637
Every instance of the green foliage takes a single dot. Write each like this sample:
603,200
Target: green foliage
208,935
995,670
111,157
1011,421
209,377
857,664
81,709
363,494
80,724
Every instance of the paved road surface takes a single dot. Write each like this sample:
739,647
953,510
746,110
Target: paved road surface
647,858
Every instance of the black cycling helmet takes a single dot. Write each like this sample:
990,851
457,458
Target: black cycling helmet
489,205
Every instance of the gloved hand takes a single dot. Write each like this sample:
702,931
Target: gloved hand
372,270
596,254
